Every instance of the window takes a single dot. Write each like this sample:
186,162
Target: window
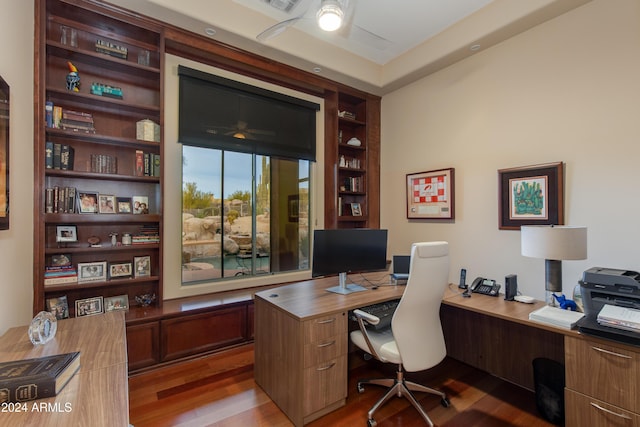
243,214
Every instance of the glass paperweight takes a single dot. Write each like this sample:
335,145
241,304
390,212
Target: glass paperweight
43,328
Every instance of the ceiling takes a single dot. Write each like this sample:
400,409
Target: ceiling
385,44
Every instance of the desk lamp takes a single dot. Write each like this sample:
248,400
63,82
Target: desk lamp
554,243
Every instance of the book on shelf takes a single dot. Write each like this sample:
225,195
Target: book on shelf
30,379
67,154
60,200
104,163
48,114
556,316
57,116
62,280
48,155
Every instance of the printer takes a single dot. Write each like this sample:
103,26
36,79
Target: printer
602,286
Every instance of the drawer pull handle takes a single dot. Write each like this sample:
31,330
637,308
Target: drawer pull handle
324,368
624,416
327,344
602,350
322,322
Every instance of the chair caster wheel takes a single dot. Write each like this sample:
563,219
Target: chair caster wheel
371,423
445,402
367,356
360,388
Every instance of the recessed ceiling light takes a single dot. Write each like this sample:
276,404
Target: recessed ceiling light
317,69
474,47
210,32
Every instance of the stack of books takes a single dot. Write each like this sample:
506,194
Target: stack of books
103,46
76,121
620,317
555,316
61,200
149,233
147,164
104,163
59,275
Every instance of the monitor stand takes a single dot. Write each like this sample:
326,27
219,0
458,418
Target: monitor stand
345,289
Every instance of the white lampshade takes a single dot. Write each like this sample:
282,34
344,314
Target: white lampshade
555,242
330,15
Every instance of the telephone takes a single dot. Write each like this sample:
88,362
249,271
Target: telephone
485,286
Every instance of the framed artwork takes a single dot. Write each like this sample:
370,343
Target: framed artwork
92,271
119,302
66,233
89,306
356,210
107,203
123,204
430,195
4,155
58,307
88,202
531,195
120,270
142,266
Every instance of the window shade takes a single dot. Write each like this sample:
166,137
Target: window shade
216,112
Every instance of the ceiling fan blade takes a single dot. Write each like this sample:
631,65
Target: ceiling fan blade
277,29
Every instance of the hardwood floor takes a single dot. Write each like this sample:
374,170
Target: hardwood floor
219,390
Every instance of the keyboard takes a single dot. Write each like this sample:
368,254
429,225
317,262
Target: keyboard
384,311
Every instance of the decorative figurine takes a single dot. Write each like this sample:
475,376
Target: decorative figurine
114,238
73,79
564,303
145,300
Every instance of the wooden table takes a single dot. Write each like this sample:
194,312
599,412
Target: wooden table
97,395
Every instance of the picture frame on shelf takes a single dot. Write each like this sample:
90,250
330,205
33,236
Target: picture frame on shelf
431,194
120,270
140,204
142,266
123,205
60,260
66,233
92,271
116,303
356,209
88,201
89,306
531,195
106,204
59,307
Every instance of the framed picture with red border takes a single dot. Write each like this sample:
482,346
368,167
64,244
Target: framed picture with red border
430,195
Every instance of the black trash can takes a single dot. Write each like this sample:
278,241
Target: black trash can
548,377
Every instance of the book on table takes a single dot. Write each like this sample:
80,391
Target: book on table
30,379
556,316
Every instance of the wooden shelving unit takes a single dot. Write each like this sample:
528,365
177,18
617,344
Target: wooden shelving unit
67,31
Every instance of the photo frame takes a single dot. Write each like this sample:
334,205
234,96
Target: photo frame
356,209
116,303
4,155
58,307
66,233
430,195
142,266
531,195
92,271
140,204
88,202
293,208
89,306
123,205
120,270
106,204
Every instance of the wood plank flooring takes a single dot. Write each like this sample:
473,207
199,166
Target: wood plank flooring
219,391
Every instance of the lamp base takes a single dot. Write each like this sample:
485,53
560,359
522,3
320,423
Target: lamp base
550,300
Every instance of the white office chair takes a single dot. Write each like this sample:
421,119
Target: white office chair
414,341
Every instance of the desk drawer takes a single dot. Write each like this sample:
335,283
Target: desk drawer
583,411
323,328
325,384
321,351
604,371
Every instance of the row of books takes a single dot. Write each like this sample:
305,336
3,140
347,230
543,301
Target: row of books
149,233
147,164
58,275
111,49
58,156
58,117
354,183
61,200
104,163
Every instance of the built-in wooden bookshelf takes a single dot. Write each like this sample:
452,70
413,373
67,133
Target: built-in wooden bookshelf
118,58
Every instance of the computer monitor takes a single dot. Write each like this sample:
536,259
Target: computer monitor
353,250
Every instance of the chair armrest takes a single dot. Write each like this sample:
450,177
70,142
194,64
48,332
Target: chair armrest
362,317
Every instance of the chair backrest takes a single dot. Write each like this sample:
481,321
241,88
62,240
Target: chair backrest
416,323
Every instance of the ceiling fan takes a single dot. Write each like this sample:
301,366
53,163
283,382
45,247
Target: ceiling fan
331,15
240,130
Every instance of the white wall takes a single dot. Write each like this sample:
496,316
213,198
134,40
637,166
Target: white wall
567,90
16,244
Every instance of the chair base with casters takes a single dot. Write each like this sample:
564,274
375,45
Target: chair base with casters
400,387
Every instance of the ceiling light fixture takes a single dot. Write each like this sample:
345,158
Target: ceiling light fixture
330,15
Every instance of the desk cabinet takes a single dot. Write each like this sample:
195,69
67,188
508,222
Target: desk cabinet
601,383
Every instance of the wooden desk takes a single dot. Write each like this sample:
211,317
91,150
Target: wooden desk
97,395
301,344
